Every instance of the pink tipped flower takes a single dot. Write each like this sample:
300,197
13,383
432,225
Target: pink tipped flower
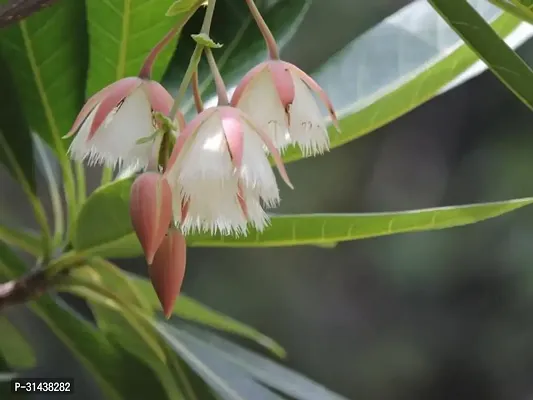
150,211
220,175
280,97
168,269
114,119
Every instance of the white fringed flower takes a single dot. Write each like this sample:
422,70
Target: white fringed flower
220,175
113,120
280,98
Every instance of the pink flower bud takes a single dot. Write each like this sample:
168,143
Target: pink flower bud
150,211
168,268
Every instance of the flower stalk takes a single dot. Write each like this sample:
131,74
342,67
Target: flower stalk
272,46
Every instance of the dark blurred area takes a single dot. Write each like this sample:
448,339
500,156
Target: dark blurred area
438,315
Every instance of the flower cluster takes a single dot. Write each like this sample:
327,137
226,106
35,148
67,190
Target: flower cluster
216,177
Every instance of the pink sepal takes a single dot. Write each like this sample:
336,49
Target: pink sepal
233,131
86,110
283,81
315,87
271,148
159,98
239,90
190,129
117,92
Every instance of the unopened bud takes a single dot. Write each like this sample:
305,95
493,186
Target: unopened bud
150,211
168,268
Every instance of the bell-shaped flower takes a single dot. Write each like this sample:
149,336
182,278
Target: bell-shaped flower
280,97
150,211
168,269
112,122
220,175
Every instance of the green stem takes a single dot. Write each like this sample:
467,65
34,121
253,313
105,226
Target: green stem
81,185
270,41
67,260
195,59
69,186
107,176
222,93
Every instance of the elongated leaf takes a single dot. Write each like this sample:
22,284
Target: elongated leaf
15,139
229,383
104,225
189,309
14,348
122,33
120,375
47,54
260,368
398,65
104,220
27,241
243,44
123,326
501,59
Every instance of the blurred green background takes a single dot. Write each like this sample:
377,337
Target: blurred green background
439,315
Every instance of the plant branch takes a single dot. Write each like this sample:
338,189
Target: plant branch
16,10
27,288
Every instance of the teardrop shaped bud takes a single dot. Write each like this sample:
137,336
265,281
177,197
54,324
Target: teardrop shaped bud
168,269
150,211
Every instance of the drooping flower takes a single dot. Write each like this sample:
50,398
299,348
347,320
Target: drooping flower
150,211
280,97
168,269
112,121
220,175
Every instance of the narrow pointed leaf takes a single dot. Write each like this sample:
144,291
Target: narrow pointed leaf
260,368
407,59
27,241
125,328
189,309
46,54
229,383
14,347
485,42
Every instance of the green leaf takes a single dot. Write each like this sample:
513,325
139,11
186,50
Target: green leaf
371,84
515,8
228,382
189,309
121,34
122,325
7,376
104,222
482,39
15,140
14,348
104,226
243,44
205,40
24,240
179,7
212,347
120,375
46,54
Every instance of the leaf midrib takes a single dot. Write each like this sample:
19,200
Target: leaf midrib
123,50
49,114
